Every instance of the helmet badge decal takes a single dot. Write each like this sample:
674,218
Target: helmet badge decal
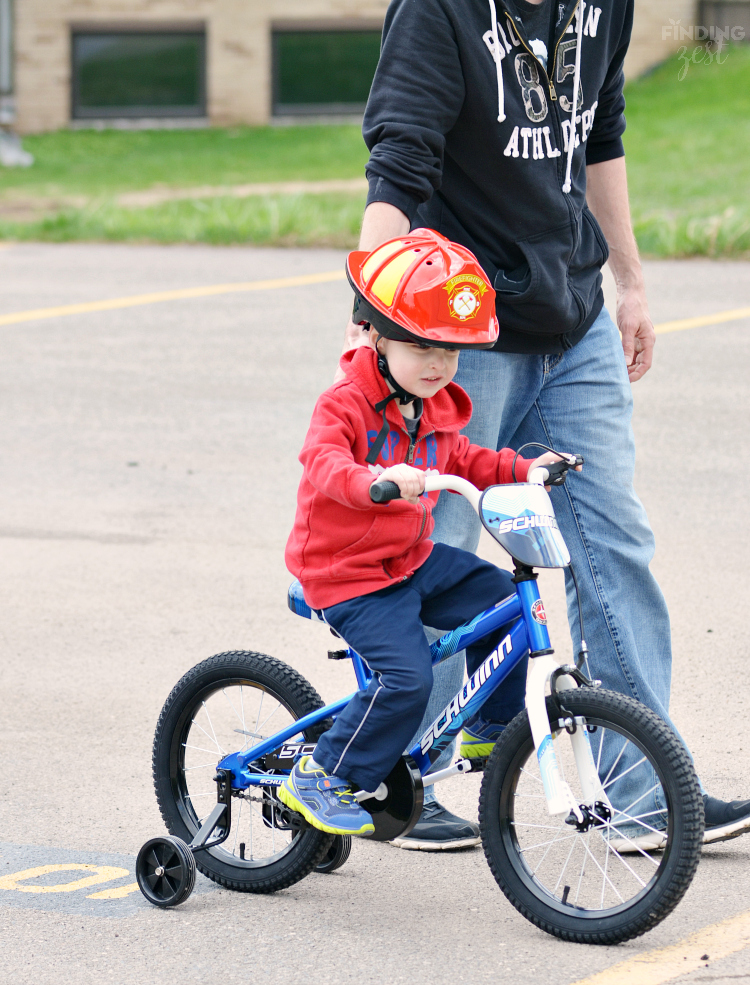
465,296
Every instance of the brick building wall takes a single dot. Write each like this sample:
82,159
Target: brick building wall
238,45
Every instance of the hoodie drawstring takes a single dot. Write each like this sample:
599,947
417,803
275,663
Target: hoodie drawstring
576,83
499,54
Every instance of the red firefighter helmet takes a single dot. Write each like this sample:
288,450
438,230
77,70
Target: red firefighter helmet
423,288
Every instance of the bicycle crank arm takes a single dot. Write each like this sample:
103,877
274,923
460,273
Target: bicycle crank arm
220,817
461,766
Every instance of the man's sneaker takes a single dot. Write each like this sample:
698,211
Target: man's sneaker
725,819
324,801
627,843
479,737
437,830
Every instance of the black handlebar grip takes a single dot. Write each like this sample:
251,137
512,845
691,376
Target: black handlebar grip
383,492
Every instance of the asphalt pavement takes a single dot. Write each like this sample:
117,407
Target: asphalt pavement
149,471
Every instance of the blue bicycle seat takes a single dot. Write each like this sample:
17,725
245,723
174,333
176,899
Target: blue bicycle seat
298,605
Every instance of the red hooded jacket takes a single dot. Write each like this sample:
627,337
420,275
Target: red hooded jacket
344,545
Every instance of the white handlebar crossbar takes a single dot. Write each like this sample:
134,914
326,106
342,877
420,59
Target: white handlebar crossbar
455,483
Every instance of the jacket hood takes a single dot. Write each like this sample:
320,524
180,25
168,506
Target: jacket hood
448,410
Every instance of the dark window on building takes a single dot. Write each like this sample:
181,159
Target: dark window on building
139,74
323,71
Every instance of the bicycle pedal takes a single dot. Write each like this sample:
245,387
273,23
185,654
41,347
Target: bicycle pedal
338,654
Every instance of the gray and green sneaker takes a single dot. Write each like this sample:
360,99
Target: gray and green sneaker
479,737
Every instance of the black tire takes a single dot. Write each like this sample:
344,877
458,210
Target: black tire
221,693
165,870
336,855
525,847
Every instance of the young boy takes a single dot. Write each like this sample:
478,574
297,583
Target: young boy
371,568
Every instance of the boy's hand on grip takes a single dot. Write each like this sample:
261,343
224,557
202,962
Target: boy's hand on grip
409,480
557,466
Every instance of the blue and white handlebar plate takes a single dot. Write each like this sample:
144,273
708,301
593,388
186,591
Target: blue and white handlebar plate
521,519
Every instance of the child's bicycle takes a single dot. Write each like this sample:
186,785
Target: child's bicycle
579,789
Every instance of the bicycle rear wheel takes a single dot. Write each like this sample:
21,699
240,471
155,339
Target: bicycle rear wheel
597,882
227,703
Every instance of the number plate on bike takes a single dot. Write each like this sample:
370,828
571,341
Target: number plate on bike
521,519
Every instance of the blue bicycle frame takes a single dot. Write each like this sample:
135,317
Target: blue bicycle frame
527,635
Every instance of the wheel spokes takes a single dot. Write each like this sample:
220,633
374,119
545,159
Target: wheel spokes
602,877
233,717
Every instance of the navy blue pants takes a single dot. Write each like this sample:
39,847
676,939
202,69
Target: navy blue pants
386,629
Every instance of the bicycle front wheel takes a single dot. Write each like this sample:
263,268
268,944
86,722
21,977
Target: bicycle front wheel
600,880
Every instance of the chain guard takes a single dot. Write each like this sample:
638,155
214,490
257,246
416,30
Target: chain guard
397,814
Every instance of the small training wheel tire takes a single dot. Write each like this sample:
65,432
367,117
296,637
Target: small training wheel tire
336,855
165,870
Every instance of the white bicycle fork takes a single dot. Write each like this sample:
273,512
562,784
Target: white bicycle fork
560,799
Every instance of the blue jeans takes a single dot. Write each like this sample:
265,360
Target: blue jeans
578,401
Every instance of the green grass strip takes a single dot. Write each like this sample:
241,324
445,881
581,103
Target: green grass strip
91,162
686,143
279,220
687,147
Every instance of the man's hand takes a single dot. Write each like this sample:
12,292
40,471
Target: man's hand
607,197
410,481
637,330
354,337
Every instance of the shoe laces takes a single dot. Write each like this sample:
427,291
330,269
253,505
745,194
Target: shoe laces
339,788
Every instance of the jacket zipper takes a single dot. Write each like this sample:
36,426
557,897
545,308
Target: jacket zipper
409,459
556,126
552,92
413,444
419,537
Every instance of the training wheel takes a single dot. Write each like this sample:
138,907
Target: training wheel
336,855
165,870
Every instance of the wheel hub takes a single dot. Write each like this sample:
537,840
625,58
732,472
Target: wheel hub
596,818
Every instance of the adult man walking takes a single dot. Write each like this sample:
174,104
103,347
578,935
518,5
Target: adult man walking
474,131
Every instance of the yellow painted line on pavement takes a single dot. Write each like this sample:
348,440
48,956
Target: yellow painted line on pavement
188,293
101,873
119,893
716,319
183,294
655,967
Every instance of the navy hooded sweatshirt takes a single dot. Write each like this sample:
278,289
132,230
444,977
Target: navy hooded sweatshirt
469,135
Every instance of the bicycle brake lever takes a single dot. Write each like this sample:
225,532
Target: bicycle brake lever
558,471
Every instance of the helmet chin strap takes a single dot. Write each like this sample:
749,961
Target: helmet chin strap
403,397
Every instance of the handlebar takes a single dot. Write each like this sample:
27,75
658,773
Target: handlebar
553,474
